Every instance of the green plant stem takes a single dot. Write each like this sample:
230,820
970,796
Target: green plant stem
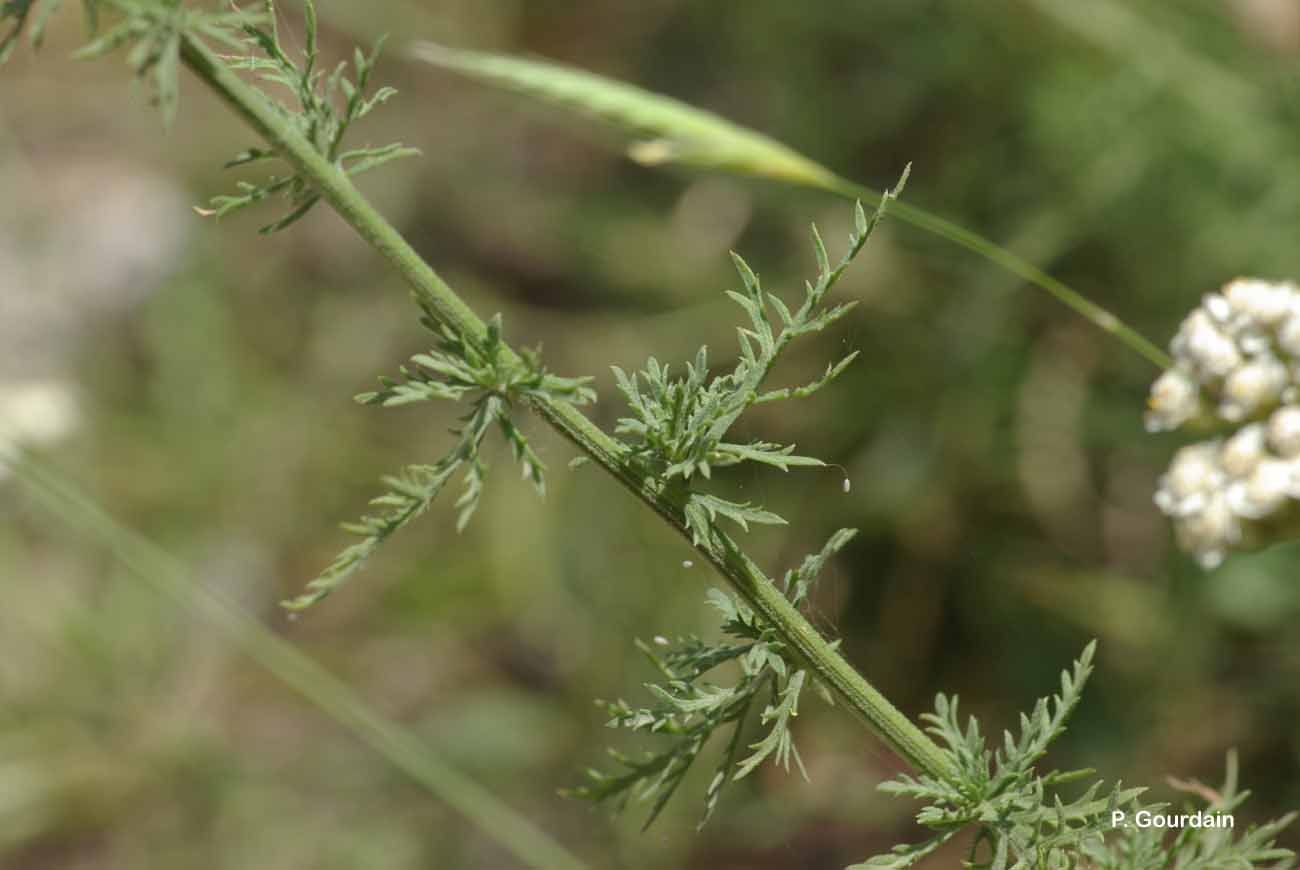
886,721
532,846
995,253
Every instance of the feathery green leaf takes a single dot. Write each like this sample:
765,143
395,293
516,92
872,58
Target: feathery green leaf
327,105
493,380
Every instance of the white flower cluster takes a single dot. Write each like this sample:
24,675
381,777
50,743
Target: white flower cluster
1236,362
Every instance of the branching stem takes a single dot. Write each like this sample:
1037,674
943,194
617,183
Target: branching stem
333,185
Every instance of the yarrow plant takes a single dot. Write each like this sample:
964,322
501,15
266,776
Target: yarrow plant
678,428
327,104
689,708
1232,364
494,383
1236,371
1023,821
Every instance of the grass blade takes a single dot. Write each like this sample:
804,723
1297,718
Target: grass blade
166,576
670,131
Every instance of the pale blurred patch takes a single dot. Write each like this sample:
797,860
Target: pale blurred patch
1053,467
80,240
709,217
1274,23
35,414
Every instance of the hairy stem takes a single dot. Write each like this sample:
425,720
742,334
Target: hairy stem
758,591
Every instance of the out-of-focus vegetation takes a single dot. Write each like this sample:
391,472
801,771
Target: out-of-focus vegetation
1141,151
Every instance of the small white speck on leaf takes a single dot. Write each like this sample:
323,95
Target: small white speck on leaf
660,640
687,563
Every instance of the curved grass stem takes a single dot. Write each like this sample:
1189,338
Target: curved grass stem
683,134
995,253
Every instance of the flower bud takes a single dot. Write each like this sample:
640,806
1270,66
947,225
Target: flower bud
1288,334
1252,386
1260,302
1209,533
1266,489
1201,344
1217,307
1175,399
1284,431
1243,451
1194,472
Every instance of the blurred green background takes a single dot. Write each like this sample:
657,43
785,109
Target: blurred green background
1144,152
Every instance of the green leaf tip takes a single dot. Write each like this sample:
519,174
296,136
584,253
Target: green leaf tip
18,12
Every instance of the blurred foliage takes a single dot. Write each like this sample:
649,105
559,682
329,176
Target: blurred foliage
1141,151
